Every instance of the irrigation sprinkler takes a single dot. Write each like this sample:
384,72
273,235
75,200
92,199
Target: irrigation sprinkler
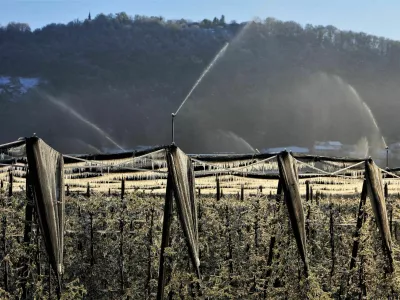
173,128
387,157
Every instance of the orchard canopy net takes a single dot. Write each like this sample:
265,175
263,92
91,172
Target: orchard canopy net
146,172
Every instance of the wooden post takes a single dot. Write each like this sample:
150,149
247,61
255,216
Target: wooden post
49,280
386,190
150,237
360,220
242,192
307,190
10,183
165,240
4,221
391,220
121,253
92,260
27,233
109,192
218,190
311,194
332,240
261,189
256,226
273,238
68,192
88,190
122,188
1,184
230,251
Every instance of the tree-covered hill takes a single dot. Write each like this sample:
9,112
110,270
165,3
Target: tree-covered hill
278,83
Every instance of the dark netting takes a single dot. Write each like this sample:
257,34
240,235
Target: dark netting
288,174
373,177
181,171
46,171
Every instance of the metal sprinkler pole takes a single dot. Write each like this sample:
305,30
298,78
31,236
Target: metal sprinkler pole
387,157
173,128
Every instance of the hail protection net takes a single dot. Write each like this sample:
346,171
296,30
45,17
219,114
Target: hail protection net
46,171
181,171
373,177
289,179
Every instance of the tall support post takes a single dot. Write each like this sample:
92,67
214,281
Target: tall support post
307,190
10,182
360,219
165,241
218,190
27,232
387,157
173,128
4,233
122,189
272,240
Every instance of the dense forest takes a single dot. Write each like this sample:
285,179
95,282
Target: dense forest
277,83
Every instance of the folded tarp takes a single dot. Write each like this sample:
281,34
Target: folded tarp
289,178
373,177
46,171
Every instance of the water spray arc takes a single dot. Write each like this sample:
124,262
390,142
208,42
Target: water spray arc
206,70
78,116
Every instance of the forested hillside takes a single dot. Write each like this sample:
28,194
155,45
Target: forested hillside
277,84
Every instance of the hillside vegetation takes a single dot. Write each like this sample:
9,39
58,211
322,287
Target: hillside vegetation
278,83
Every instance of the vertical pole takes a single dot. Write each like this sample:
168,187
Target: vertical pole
165,240
122,188
272,240
121,253
242,193
88,190
10,183
218,190
332,240
5,253
49,282
360,220
27,233
91,240
386,190
173,128
387,157
149,252
307,190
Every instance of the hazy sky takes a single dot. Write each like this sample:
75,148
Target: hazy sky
378,17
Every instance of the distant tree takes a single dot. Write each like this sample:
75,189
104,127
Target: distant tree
206,23
122,17
222,20
215,21
21,27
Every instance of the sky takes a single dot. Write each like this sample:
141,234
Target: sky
371,16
